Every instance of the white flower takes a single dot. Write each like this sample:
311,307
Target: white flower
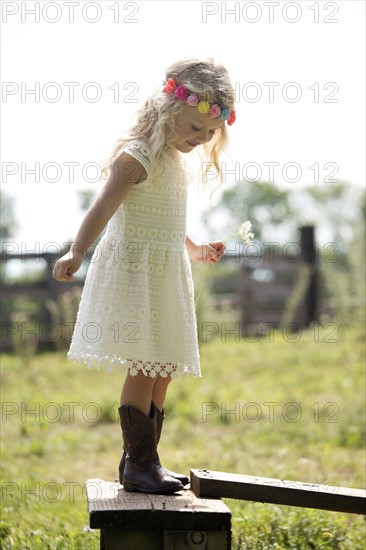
245,235
244,232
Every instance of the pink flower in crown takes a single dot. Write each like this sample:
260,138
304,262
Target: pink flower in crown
181,93
192,100
215,111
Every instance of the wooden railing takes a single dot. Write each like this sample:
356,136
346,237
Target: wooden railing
274,289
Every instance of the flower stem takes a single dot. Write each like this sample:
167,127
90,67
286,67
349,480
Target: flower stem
201,285
204,274
245,235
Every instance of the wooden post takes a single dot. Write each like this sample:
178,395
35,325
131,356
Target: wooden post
308,256
156,522
207,483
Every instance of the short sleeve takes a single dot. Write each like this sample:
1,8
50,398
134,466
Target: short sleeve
138,149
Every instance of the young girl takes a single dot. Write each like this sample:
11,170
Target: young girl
137,307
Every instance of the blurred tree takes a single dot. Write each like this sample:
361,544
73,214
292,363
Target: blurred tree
264,204
331,207
7,219
334,207
336,210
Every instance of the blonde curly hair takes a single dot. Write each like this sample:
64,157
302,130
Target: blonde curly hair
156,120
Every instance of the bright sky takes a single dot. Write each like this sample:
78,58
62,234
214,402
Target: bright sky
312,50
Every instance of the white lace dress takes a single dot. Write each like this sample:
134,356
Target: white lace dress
137,306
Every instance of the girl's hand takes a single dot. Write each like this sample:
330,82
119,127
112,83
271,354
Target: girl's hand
207,252
66,266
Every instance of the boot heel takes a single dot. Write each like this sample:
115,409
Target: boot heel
121,468
129,487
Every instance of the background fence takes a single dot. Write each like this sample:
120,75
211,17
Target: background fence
271,288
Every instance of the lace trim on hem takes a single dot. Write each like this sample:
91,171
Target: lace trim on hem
149,368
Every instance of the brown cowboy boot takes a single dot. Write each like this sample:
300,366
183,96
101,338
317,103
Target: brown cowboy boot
159,416
142,470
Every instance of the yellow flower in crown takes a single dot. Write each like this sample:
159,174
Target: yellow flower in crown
203,107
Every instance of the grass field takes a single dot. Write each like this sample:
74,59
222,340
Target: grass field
275,407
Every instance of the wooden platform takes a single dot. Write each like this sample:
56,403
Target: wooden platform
208,483
131,521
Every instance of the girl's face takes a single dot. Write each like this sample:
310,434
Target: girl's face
194,128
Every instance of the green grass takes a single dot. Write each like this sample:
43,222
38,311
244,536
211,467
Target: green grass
270,408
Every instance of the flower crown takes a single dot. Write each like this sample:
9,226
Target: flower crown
214,110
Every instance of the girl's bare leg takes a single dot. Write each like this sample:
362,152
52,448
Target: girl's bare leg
159,391
138,392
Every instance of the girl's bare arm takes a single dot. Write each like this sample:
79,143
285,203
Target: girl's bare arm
125,173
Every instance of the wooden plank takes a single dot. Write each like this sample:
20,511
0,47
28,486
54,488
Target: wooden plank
208,483
111,506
